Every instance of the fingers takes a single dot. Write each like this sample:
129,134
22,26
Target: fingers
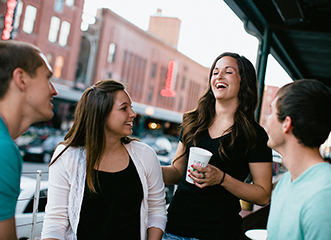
197,179
205,176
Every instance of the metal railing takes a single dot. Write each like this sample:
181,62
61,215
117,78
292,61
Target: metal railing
36,197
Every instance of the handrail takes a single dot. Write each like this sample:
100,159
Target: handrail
36,199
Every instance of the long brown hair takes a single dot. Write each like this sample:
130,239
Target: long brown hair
201,118
88,129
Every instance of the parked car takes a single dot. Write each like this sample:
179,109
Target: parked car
165,148
24,208
41,149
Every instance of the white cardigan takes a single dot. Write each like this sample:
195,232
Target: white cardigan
67,183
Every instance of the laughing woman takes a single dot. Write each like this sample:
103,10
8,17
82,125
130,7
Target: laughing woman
103,184
224,124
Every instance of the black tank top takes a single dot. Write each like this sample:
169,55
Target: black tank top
114,211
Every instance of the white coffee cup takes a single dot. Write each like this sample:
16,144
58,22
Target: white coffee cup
197,156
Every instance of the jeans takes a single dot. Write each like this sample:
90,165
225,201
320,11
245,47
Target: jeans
169,236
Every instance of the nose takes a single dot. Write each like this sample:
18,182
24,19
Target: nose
132,113
220,74
53,90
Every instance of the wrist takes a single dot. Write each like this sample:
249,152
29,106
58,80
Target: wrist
222,179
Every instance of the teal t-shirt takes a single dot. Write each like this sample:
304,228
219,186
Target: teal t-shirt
302,209
10,173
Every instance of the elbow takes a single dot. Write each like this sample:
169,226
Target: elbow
264,200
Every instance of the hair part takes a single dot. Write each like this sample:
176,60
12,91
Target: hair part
88,129
16,54
307,103
201,118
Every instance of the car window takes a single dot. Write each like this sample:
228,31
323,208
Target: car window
42,202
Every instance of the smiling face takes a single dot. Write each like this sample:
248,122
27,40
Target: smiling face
39,95
225,79
119,122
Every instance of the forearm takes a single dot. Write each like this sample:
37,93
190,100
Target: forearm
154,233
253,193
171,175
8,229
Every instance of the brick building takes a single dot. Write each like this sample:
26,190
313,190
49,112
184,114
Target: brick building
53,26
163,82
143,60
268,97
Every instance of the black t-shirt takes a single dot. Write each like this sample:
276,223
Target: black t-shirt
213,212
114,212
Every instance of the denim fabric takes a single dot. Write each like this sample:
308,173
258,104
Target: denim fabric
169,236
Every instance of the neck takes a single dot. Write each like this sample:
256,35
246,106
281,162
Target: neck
225,109
298,159
14,119
113,144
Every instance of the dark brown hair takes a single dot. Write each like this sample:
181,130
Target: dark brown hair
201,118
15,54
88,129
307,103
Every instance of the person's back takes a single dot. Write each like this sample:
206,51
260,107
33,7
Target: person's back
25,98
298,125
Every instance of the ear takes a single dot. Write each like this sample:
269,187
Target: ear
19,78
287,124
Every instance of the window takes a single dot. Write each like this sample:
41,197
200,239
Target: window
153,70
180,105
18,14
30,17
41,205
70,2
58,6
150,94
111,52
58,67
64,34
50,58
183,82
54,29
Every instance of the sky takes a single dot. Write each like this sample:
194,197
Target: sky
208,28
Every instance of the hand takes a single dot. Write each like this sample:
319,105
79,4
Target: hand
206,176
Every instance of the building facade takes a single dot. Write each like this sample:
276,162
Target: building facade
54,27
162,82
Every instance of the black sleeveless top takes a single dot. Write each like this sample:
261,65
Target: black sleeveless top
114,211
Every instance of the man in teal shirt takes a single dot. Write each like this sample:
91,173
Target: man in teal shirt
26,95
299,123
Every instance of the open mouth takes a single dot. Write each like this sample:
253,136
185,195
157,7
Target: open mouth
220,85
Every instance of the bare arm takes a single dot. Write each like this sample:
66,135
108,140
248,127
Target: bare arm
172,174
8,229
259,192
154,233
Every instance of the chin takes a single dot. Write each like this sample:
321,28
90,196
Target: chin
269,144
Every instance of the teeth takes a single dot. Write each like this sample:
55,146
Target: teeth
220,85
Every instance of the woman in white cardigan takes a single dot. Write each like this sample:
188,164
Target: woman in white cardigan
103,184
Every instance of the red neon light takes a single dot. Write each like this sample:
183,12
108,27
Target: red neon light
167,91
11,5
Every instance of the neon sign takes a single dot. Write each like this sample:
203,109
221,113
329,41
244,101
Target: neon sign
168,91
11,5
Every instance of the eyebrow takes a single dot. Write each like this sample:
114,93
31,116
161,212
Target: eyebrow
124,103
225,67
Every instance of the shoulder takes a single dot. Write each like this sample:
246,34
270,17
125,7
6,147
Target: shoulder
140,146
69,155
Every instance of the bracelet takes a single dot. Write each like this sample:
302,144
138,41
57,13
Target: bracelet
222,180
